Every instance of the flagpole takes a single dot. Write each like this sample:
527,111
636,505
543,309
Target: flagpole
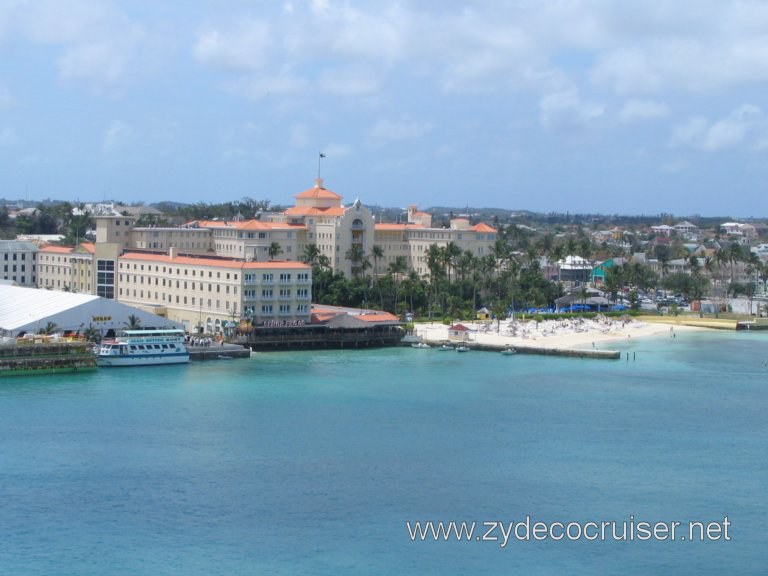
320,156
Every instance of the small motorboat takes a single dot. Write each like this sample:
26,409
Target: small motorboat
445,347
462,349
420,345
509,351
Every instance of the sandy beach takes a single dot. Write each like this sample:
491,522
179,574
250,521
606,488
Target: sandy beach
568,334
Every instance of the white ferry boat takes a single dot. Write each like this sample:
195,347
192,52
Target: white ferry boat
144,348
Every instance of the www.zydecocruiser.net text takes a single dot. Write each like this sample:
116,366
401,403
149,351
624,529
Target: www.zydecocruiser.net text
528,530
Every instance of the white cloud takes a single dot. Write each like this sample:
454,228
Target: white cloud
332,150
565,113
116,136
348,82
631,49
635,110
95,41
628,71
244,47
403,129
268,86
745,126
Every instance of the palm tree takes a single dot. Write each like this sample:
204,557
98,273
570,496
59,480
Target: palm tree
376,253
355,255
396,270
310,254
92,334
274,250
557,254
134,322
412,284
451,254
435,260
50,328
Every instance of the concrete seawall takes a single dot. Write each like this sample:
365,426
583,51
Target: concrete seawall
218,352
540,350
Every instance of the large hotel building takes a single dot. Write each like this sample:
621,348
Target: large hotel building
208,273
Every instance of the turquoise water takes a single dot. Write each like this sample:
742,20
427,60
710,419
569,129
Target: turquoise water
311,463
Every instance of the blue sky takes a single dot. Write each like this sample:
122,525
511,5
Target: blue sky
563,105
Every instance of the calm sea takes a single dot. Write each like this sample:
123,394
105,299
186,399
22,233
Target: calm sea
313,463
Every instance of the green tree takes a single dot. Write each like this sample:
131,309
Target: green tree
274,250
396,270
49,328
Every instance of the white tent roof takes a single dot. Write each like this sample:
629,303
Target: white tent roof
29,309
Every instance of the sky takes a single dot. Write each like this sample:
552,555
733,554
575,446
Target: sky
602,106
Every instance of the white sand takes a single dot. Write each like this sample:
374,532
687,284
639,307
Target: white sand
552,334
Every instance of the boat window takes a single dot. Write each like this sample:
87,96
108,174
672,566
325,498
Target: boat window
133,347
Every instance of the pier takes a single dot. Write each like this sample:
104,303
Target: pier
540,350
218,351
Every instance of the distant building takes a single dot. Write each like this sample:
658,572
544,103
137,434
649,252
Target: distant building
19,261
746,231
687,229
208,272
204,293
318,219
574,269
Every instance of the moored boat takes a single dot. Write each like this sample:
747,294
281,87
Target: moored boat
462,348
45,355
144,348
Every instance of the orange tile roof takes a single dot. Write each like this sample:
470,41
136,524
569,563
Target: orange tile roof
89,247
245,225
323,313
319,192
323,316
394,227
378,317
57,249
482,228
312,211
215,262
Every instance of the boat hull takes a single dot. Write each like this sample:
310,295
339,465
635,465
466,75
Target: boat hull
150,347
45,356
41,370
143,360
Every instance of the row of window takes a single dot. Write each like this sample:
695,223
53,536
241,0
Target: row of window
15,254
268,309
136,279
301,293
169,270
19,279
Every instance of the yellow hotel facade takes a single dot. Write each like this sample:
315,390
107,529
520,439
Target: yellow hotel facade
207,273
205,293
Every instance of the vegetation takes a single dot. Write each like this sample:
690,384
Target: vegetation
457,283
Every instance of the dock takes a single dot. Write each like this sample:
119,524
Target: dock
218,351
539,350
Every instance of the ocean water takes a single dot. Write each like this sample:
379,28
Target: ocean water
314,462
